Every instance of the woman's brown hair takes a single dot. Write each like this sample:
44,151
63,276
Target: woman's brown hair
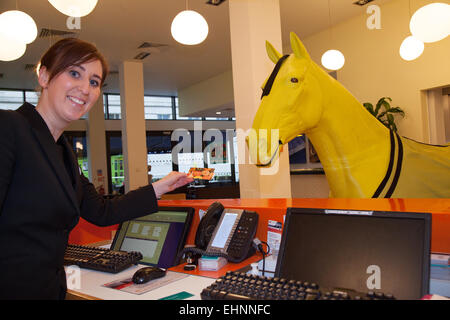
71,52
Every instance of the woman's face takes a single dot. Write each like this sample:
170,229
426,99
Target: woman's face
73,92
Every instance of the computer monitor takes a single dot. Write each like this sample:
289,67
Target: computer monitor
365,251
159,236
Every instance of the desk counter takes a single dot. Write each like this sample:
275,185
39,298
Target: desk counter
275,209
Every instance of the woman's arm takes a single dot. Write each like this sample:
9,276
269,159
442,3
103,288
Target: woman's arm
136,203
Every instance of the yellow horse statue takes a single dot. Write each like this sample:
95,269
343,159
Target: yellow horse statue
360,156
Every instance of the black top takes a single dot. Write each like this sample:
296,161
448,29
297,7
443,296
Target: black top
42,196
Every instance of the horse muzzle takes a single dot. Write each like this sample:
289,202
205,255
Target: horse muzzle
262,152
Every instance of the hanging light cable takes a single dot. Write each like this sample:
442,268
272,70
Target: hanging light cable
411,47
332,59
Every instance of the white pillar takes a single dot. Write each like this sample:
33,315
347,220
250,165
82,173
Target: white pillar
251,24
134,143
95,134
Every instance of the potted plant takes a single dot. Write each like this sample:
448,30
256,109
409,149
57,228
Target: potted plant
385,116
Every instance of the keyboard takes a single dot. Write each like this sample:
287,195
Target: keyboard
242,286
100,259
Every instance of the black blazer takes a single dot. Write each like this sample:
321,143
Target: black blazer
41,200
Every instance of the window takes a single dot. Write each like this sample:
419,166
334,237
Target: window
113,103
11,99
32,97
115,161
78,141
158,108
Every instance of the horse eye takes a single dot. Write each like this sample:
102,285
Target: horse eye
294,80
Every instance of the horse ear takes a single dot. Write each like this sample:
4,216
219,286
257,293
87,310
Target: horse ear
298,47
273,54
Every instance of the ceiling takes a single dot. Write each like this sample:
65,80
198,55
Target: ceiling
119,27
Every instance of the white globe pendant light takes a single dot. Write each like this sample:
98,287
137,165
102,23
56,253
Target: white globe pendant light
11,49
431,23
18,25
333,59
411,48
189,27
74,8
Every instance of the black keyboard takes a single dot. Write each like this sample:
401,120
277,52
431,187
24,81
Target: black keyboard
242,286
100,259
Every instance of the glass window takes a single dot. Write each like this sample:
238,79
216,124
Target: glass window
114,110
159,155
116,174
178,117
32,97
79,145
218,156
158,108
11,99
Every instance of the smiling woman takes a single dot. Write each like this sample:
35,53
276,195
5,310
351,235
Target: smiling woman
42,190
70,75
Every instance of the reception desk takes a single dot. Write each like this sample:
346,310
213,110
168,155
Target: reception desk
275,209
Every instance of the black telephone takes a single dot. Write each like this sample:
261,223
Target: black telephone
226,233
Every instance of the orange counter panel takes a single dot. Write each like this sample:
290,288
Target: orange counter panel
275,209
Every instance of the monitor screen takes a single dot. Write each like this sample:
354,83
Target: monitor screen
158,236
375,251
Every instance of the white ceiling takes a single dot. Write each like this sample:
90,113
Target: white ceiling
118,27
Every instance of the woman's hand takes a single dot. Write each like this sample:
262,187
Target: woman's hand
171,182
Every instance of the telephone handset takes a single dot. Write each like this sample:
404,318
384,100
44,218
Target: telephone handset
226,232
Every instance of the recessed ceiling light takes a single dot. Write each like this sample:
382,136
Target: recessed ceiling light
218,112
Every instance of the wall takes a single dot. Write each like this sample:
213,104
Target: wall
374,69
213,93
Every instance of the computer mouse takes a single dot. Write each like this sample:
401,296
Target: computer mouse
146,274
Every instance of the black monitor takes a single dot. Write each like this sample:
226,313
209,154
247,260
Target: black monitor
159,236
375,251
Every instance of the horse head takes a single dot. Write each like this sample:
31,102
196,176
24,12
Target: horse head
290,103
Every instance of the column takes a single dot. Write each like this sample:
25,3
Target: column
251,24
134,143
95,134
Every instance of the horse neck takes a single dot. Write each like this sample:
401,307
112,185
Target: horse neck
348,136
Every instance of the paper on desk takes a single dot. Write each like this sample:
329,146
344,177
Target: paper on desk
127,284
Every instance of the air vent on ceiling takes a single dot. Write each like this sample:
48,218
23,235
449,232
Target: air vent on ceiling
362,2
215,2
53,33
142,55
151,45
30,67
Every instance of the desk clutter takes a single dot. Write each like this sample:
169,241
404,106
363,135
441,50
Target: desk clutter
243,286
342,254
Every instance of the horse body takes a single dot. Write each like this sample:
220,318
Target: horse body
360,156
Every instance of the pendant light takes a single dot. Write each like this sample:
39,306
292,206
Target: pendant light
431,23
74,8
332,59
411,48
18,25
189,27
11,49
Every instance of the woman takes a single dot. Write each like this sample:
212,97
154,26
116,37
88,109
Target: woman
42,192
